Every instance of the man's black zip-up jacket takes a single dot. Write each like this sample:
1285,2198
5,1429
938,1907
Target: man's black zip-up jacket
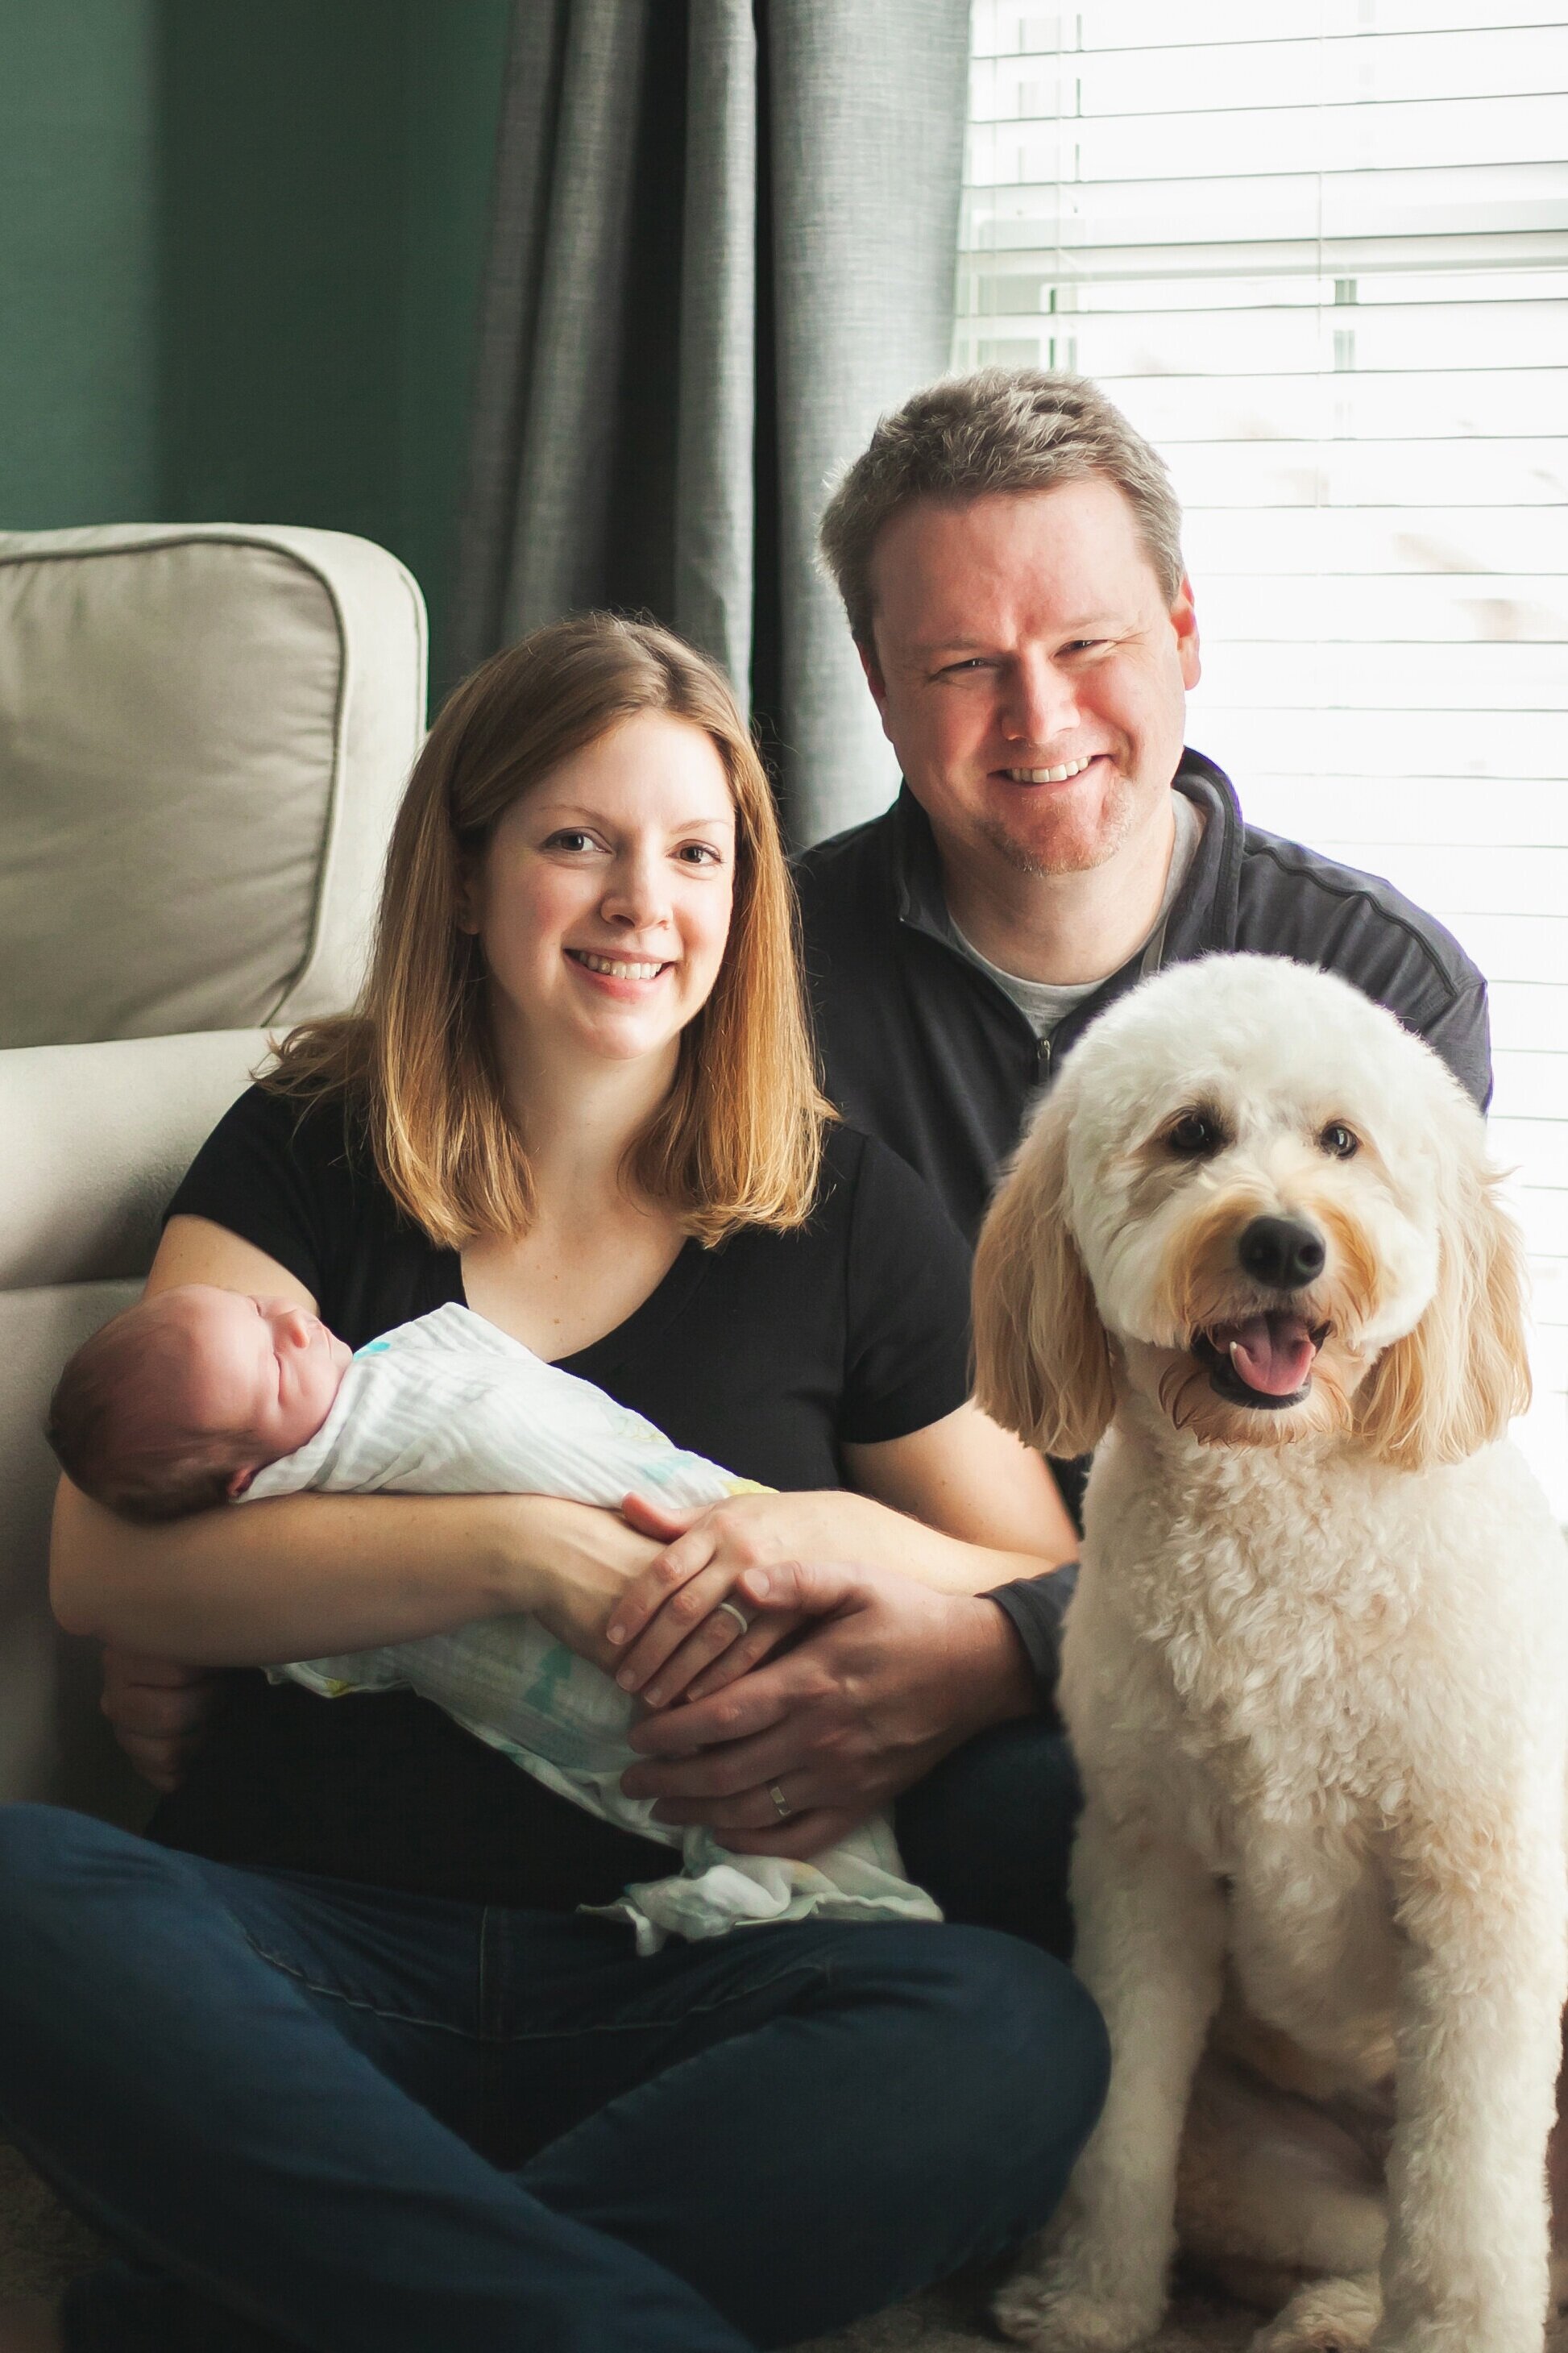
923,1050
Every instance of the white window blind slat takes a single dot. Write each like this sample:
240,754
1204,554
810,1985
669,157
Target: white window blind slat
1516,946
1364,811
1366,405
1310,742
1390,609
1521,677
1324,266
1537,1143
1244,142
1549,1306
1550,1359
1167,78
1017,292
1544,1215
1340,207
1001,28
1500,470
1319,540
1286,341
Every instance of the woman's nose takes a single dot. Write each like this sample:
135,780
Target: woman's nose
634,896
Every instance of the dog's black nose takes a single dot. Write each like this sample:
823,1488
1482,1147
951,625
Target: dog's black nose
1282,1252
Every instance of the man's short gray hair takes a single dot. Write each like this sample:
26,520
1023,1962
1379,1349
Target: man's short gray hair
1002,429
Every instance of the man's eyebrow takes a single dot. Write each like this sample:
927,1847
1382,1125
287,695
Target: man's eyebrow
1090,625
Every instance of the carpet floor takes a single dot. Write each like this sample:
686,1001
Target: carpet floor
41,2246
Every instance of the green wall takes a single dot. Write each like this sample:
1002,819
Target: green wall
79,308
240,250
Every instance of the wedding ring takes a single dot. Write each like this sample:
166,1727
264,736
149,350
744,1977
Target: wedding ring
738,1614
782,1806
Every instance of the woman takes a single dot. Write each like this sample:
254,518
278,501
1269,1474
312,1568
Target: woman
335,2050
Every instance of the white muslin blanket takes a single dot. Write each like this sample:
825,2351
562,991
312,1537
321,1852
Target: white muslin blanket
450,1405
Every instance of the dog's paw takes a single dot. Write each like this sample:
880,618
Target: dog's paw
1337,2316
1050,2310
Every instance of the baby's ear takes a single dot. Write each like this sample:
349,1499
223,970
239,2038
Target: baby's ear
238,1481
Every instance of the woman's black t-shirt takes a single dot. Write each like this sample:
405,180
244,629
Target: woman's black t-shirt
765,1354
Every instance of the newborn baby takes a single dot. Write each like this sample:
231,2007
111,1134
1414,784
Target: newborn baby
199,1396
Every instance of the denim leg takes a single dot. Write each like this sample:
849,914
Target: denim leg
197,2101
265,2090
990,1830
837,2116
124,2306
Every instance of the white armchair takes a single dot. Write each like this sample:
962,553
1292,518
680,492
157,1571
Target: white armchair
204,733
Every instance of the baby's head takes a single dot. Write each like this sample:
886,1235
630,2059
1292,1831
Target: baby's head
179,1402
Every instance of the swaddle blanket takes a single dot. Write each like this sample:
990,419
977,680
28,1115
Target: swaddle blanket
449,1405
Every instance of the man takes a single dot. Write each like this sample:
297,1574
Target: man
1008,552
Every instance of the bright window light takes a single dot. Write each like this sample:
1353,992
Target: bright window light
1324,267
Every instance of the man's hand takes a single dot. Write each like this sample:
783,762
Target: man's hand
159,1711
892,1676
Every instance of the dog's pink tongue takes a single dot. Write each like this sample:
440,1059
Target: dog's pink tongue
1271,1353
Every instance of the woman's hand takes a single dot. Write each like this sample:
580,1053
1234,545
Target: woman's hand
584,1559
677,1630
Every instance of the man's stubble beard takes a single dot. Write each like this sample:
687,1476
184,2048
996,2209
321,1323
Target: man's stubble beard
1072,855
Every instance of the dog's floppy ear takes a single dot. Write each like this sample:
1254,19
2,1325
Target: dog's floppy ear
1450,1387
1042,1366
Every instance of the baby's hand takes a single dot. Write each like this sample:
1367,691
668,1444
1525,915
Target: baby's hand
685,1625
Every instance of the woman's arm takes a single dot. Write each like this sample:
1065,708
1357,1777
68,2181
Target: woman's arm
985,1507
250,1584
959,1505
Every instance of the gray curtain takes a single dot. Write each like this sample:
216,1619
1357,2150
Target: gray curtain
723,243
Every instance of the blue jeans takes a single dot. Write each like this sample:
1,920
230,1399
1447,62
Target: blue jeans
313,2113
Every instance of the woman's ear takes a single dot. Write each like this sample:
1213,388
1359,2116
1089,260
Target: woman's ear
1451,1386
467,895
1042,1365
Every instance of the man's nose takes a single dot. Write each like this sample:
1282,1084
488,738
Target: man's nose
1041,702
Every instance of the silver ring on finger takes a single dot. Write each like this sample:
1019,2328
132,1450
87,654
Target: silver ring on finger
738,1614
782,1806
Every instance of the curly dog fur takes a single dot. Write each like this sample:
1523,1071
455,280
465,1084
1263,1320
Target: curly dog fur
1316,1671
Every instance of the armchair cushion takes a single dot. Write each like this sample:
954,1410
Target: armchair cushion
204,730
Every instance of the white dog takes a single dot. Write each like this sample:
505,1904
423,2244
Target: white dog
1316,1671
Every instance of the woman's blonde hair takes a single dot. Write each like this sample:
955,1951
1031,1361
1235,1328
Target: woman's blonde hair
738,1140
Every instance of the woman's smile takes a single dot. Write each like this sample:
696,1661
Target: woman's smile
633,974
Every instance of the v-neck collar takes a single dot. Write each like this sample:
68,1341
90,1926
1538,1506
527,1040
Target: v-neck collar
663,1302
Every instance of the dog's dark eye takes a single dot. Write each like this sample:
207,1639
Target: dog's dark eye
1193,1134
1338,1141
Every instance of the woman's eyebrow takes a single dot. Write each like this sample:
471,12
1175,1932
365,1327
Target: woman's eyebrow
580,809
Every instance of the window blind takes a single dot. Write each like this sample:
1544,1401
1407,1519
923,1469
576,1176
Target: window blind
1324,267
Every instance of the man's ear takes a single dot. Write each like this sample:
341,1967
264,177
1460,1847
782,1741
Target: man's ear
874,680
238,1481
1184,621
